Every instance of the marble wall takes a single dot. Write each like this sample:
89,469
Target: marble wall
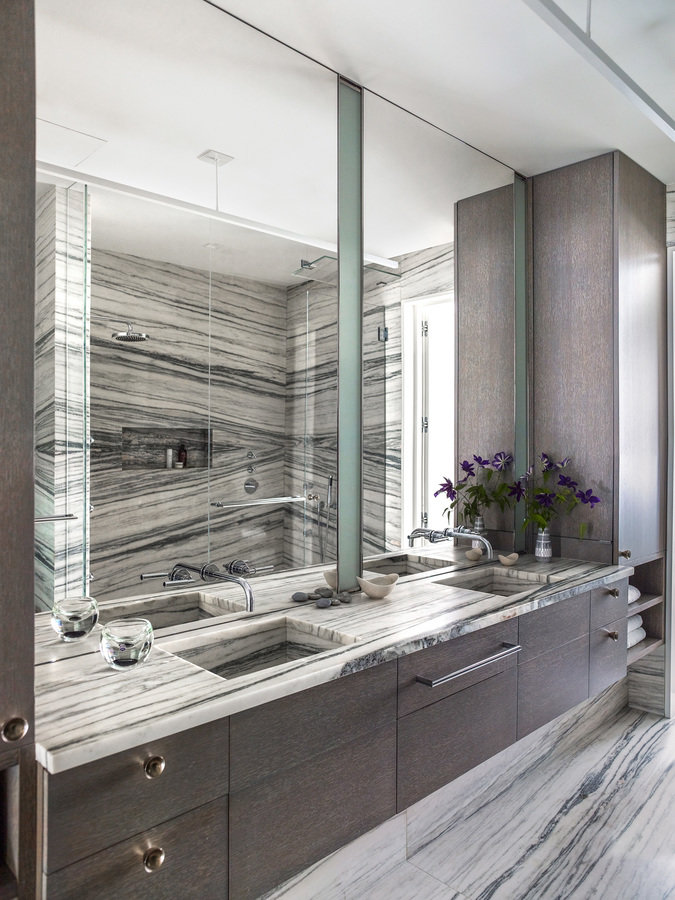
213,365
61,354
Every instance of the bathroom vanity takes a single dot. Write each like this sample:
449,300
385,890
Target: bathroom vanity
172,780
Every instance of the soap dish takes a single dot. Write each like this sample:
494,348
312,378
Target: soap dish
508,560
331,578
473,554
379,587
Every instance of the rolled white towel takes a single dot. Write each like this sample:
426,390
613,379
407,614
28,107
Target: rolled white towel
634,622
639,634
633,593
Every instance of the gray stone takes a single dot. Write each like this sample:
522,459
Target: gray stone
334,601
344,597
324,591
323,602
300,597
313,595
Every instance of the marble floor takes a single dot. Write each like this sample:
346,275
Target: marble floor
588,814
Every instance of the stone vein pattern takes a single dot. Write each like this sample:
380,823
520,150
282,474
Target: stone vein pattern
670,215
61,371
79,699
215,360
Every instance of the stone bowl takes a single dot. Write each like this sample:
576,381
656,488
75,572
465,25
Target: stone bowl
379,587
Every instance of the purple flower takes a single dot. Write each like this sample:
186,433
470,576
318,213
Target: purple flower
527,474
545,498
566,481
588,497
448,489
468,468
502,461
517,490
483,463
547,462
564,462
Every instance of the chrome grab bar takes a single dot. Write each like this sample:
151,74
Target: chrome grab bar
55,518
509,650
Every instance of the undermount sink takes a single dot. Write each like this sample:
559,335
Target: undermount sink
497,580
250,646
171,609
405,564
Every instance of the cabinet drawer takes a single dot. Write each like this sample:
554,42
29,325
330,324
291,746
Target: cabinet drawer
552,683
102,802
608,656
605,606
444,740
194,866
280,734
285,823
450,658
553,626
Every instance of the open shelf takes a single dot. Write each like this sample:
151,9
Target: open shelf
646,601
643,648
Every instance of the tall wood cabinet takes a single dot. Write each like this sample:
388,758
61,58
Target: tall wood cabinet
600,362
17,224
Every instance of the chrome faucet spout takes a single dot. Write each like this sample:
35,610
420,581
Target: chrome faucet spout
210,572
463,532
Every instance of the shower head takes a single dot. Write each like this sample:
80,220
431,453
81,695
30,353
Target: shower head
129,336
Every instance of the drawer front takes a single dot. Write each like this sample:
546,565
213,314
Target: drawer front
608,656
452,658
285,732
194,866
552,683
609,603
289,821
102,802
442,741
552,626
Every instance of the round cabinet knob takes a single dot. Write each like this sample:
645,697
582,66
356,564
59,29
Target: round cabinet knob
613,592
614,635
154,766
153,859
14,729
625,554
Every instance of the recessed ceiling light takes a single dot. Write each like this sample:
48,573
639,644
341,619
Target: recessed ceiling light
215,157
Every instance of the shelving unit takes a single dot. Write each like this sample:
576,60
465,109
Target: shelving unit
649,578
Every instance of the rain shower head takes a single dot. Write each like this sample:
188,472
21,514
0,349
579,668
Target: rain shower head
129,336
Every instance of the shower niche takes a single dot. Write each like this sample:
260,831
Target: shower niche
146,448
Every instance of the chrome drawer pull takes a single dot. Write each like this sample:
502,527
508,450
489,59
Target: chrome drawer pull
153,859
614,635
509,650
613,592
154,766
14,730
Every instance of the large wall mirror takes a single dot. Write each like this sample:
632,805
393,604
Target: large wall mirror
187,301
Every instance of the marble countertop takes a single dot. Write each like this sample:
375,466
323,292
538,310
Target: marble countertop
85,710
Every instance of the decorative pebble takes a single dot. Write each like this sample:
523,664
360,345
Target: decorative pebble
334,601
313,596
323,602
299,597
344,597
324,591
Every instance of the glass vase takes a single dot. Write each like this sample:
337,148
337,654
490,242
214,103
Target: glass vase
542,549
479,528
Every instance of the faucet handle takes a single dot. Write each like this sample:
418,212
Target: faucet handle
243,568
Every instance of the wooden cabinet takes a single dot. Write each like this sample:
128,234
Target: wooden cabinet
447,729
102,818
599,326
17,274
191,851
309,773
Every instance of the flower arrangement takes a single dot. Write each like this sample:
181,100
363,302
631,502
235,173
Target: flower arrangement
548,493
484,484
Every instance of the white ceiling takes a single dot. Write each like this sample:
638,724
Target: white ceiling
133,92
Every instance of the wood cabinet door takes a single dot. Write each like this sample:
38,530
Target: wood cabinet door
440,742
608,655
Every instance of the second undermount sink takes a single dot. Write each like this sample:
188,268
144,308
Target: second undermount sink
405,564
244,647
170,609
497,580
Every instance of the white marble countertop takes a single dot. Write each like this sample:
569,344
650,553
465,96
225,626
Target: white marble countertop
85,710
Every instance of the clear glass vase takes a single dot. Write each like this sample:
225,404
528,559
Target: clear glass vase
479,528
542,549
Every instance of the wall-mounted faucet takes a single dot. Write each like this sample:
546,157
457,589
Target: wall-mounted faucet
180,575
447,533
